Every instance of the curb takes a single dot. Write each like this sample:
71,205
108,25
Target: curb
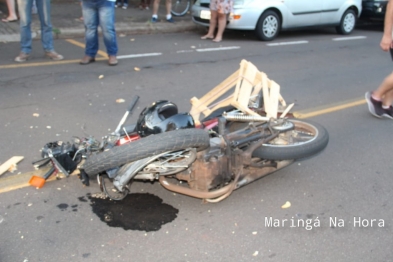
121,28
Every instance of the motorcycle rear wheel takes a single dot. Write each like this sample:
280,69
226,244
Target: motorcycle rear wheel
307,139
146,147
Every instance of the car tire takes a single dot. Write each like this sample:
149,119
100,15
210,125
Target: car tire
347,23
269,25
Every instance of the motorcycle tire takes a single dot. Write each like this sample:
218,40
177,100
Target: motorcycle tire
318,141
146,147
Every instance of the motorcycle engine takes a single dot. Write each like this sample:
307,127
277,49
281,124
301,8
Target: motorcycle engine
209,169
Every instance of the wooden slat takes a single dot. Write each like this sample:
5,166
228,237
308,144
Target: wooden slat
10,163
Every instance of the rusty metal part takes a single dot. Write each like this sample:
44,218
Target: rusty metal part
194,193
251,174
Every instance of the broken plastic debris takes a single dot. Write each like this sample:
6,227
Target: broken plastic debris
49,127
255,253
120,100
286,205
132,39
137,69
122,35
36,115
254,233
101,77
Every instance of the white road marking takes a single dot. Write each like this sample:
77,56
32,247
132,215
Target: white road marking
217,49
138,55
349,38
288,43
184,51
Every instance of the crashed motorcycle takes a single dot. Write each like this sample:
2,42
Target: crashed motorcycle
211,151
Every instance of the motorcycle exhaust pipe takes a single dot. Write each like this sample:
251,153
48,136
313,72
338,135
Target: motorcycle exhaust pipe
194,193
257,173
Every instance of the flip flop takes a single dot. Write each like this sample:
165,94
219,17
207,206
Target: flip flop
6,20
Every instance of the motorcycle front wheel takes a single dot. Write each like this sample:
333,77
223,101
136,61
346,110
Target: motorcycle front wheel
146,147
306,139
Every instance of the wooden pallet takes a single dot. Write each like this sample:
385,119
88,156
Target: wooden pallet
248,81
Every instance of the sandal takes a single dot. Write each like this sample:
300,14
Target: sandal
6,20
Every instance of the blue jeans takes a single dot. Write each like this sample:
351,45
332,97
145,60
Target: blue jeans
43,8
99,12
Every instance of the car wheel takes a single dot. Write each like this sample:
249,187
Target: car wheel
268,26
347,23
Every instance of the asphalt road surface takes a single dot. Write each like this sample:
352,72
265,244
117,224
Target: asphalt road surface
343,195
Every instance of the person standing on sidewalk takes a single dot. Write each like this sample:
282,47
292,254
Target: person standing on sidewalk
156,5
99,12
219,9
380,101
25,12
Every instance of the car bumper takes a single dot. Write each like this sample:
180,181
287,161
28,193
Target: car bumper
374,9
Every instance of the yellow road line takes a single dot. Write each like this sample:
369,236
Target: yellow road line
74,61
62,62
328,109
72,41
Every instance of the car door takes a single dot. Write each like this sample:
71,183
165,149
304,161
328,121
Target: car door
330,11
303,12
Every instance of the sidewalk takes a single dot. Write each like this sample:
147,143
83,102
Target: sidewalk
66,24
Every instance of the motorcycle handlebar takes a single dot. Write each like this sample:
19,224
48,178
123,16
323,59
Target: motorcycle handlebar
130,108
133,103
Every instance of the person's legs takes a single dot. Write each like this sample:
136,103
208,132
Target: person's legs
11,12
212,25
168,5
44,12
222,22
90,18
43,8
156,5
125,4
25,25
382,92
380,101
107,22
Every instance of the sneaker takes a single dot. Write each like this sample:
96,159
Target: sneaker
374,106
388,113
22,57
54,56
87,60
170,20
112,61
154,20
125,6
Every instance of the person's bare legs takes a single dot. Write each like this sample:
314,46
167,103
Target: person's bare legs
222,22
212,25
156,4
384,92
168,5
11,10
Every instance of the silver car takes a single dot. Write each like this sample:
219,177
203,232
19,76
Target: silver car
268,17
